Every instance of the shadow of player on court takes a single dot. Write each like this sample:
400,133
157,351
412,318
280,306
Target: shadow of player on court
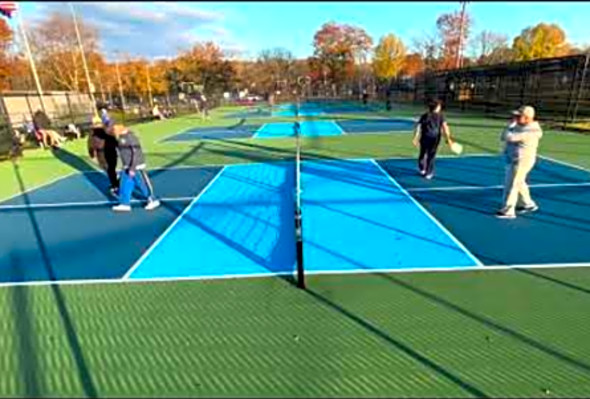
97,178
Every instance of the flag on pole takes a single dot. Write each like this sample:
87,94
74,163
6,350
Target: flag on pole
7,8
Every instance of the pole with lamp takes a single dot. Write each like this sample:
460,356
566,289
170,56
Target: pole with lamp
86,72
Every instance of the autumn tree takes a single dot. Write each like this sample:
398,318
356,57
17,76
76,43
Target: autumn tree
158,77
427,47
490,48
204,64
55,47
276,69
5,58
413,65
336,49
540,41
389,57
451,35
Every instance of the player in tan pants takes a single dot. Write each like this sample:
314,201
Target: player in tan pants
521,139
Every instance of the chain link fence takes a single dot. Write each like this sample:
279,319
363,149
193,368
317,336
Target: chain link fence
558,87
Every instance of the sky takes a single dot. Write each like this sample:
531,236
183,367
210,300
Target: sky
160,29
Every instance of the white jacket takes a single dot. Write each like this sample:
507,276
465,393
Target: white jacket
521,141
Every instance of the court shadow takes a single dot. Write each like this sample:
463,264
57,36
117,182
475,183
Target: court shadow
398,345
537,274
274,261
191,153
384,226
84,375
24,333
489,323
99,180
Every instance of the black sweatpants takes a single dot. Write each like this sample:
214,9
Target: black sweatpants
428,148
110,155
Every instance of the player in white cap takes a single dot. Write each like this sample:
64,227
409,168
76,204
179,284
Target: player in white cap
521,139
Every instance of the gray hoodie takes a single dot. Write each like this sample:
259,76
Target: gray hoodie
521,141
130,152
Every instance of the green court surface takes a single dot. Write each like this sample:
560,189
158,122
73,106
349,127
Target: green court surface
488,333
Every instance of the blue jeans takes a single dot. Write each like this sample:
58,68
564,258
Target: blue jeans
128,184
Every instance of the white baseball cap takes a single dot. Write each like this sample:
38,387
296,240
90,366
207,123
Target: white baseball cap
525,110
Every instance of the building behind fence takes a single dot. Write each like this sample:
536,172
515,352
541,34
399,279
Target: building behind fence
558,87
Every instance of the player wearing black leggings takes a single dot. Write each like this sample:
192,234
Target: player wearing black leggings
103,147
427,136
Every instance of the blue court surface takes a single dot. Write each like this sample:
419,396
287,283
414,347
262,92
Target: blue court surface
290,110
308,129
214,133
358,216
359,126
313,108
315,128
249,113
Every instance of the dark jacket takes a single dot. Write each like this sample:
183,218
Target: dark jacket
130,151
41,120
102,146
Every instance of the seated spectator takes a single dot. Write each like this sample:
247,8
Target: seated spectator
18,141
48,136
72,131
156,113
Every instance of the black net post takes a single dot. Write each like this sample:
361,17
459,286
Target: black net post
298,224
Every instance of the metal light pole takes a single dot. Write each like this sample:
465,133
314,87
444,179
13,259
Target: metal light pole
102,93
31,61
459,62
90,86
149,85
120,85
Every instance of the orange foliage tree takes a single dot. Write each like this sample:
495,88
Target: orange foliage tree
540,41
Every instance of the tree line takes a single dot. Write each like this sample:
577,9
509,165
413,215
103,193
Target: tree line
344,56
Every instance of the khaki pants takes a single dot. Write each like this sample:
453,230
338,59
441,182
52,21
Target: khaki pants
516,189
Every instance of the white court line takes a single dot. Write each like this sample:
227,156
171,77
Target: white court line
43,185
342,132
169,229
210,165
432,218
571,165
459,269
255,135
79,204
178,167
466,188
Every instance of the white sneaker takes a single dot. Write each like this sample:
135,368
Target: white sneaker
506,214
429,176
151,205
122,208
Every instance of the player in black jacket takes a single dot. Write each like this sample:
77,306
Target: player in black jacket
103,148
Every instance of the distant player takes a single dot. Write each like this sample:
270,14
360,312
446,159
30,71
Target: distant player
521,139
427,136
104,117
133,172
